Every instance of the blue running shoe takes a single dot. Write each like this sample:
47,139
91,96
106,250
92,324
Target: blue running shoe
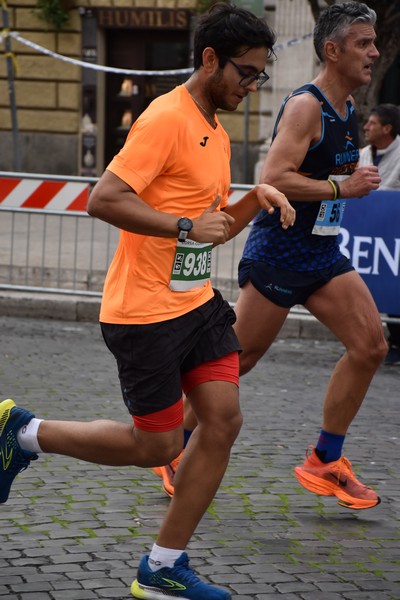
13,459
176,582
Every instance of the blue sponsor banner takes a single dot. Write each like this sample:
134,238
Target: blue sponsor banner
370,237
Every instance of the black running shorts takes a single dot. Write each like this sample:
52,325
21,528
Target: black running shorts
288,288
151,358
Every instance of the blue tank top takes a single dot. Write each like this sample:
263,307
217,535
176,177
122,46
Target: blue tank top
335,153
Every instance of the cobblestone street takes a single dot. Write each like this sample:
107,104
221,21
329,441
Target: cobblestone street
76,531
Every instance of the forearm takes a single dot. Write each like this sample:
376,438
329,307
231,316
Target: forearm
138,218
298,187
243,212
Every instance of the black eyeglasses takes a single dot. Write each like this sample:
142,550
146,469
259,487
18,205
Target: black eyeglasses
248,78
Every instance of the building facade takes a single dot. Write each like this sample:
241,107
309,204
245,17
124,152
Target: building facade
70,119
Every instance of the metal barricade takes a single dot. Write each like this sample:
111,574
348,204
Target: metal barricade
65,251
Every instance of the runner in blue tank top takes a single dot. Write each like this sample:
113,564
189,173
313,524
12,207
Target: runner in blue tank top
313,161
303,248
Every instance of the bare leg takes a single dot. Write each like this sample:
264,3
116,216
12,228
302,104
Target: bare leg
258,323
346,307
109,442
202,467
216,407
190,419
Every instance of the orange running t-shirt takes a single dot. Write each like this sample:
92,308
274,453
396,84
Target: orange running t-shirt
177,163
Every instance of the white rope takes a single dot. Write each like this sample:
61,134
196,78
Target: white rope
293,42
88,65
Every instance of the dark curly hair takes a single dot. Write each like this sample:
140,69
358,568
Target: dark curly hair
230,31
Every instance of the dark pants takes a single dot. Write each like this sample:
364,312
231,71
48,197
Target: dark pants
394,332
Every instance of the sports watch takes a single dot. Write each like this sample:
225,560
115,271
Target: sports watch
184,226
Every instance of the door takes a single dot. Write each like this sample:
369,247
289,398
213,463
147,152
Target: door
128,95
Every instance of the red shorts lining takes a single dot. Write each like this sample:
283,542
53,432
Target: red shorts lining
225,368
162,420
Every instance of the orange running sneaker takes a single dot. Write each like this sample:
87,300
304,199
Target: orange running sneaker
167,473
335,479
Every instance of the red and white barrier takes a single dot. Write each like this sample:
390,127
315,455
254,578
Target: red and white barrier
56,195
41,193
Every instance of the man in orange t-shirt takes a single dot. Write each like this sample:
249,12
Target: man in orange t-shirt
167,191
175,173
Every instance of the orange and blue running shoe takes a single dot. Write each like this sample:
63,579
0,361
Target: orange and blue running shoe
178,581
13,459
335,478
167,474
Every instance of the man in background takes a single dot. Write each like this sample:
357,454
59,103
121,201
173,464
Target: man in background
382,132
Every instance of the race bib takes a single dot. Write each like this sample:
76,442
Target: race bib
329,217
192,266
330,213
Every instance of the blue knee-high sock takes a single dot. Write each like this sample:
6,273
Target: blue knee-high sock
329,446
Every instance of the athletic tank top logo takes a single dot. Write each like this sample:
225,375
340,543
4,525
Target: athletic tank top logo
350,154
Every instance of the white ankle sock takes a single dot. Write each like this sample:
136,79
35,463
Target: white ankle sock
162,557
27,436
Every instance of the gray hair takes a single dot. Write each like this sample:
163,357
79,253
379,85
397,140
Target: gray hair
335,21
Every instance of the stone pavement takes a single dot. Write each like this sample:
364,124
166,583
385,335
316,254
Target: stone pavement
76,531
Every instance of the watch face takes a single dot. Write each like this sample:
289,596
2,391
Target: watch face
185,224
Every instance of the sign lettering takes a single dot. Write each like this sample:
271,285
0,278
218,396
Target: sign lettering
369,236
143,18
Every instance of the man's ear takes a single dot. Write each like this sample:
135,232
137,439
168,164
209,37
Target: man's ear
210,60
387,128
332,50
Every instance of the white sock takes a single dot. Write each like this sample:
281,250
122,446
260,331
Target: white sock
27,436
162,557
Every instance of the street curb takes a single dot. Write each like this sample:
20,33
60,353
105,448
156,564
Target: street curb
69,307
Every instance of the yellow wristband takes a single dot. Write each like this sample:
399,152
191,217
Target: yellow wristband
334,188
